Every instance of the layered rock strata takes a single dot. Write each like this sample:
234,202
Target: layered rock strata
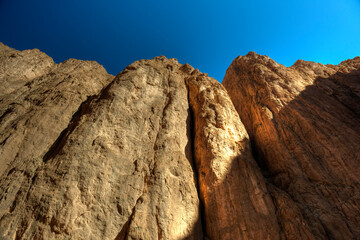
304,125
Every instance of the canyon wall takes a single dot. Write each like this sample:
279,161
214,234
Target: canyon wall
163,151
304,123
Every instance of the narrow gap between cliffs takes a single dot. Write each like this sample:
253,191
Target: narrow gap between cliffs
259,158
195,167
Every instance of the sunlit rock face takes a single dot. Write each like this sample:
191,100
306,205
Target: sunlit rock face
233,191
304,124
90,156
38,99
160,152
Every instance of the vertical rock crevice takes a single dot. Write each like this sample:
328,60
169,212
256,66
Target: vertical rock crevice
195,166
123,234
229,179
160,152
259,158
170,206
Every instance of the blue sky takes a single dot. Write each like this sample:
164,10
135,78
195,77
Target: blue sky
206,34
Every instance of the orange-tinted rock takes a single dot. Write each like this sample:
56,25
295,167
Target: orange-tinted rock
304,123
236,202
84,155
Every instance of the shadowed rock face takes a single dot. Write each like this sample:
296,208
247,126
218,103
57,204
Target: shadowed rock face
159,151
304,123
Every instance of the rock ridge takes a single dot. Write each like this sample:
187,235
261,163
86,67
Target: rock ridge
121,164
163,151
304,124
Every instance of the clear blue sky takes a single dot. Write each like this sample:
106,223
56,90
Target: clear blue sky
206,34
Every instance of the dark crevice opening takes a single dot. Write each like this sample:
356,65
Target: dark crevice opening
123,234
259,158
8,111
196,171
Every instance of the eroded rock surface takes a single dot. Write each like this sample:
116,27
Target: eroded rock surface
120,166
231,186
159,151
304,123
38,99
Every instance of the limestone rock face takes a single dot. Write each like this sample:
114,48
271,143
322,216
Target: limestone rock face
160,151
236,201
38,99
304,123
18,68
92,157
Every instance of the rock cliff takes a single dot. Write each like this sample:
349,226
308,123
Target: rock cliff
231,186
304,123
162,151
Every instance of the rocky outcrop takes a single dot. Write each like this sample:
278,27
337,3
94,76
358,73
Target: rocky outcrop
160,152
38,98
87,156
120,166
303,122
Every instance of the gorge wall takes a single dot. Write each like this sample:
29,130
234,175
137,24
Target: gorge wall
304,125
163,151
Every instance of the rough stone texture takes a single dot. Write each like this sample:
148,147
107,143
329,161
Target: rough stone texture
41,101
94,158
159,151
304,123
236,202
167,205
18,68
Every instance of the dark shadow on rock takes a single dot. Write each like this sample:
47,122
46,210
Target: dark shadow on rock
311,151
249,211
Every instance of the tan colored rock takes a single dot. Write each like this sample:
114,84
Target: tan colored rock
44,98
84,155
117,167
18,68
236,202
304,125
168,205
